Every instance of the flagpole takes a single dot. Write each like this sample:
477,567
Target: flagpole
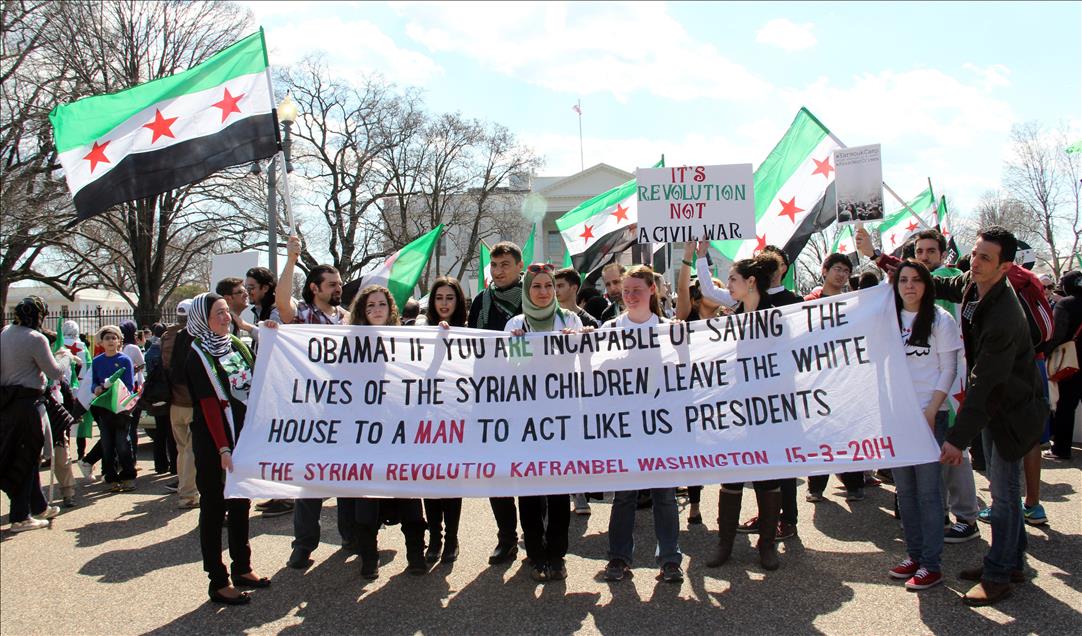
905,205
578,109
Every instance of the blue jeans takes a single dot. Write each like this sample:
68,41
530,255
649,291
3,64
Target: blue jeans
666,526
1007,551
920,500
306,524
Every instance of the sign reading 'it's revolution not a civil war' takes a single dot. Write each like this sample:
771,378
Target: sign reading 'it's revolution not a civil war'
688,203
426,412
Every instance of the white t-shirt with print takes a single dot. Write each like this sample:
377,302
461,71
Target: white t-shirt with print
933,367
623,321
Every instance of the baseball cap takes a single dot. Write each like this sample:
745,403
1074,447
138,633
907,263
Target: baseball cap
183,307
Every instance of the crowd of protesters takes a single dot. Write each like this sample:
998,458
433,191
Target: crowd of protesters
984,324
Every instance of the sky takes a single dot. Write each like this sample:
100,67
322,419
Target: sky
939,85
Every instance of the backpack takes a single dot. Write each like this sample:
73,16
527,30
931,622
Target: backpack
1030,294
156,393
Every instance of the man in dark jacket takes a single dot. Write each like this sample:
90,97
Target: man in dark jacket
1003,394
491,309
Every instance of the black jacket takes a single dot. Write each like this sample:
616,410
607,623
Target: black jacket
1003,388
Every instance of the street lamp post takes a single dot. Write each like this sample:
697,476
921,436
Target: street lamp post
287,114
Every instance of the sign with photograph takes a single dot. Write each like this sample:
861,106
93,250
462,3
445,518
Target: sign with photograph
859,184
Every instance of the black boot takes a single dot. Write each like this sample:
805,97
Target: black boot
369,551
728,516
769,509
414,532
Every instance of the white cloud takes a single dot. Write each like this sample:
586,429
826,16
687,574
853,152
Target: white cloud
353,47
582,49
993,76
787,35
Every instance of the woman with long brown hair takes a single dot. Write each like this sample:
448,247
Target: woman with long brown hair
447,308
374,306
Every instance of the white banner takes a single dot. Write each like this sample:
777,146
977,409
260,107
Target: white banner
820,387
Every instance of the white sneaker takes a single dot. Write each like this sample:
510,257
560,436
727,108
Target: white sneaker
29,524
582,504
49,513
86,469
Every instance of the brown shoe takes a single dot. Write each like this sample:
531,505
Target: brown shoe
986,593
977,574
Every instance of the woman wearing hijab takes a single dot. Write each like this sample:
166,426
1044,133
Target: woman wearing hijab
219,375
24,366
546,543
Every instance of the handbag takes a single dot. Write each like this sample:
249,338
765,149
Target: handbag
1063,363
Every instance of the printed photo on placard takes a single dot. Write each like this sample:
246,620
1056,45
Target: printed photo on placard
859,184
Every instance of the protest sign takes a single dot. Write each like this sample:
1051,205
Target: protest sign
689,203
858,181
820,387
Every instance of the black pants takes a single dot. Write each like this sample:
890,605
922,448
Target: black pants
165,447
788,501
443,516
546,543
760,486
503,509
1070,392
410,515
695,494
213,507
852,481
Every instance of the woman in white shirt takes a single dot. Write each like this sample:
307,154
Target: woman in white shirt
932,340
546,543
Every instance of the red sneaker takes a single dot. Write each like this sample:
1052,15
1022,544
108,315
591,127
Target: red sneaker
905,569
923,580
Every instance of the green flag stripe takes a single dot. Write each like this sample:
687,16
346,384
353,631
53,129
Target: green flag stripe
791,151
82,122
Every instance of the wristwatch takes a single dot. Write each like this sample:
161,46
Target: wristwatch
876,253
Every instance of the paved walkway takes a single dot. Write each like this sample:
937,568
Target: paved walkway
129,563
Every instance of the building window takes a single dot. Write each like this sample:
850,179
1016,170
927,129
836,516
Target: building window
555,248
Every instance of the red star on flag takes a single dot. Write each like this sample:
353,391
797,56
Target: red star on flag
620,213
842,248
228,104
789,209
912,226
893,239
160,126
587,234
760,242
823,167
97,155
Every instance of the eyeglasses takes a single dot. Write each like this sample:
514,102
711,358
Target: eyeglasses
537,268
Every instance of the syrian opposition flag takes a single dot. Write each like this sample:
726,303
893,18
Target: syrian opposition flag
529,252
116,398
169,132
919,214
600,228
794,193
945,224
401,271
484,266
845,243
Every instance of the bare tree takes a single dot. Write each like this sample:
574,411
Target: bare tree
500,158
143,247
1039,175
343,144
32,194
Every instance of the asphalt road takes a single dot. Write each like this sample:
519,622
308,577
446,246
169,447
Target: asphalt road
129,563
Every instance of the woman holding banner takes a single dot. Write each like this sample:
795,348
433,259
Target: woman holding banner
375,307
749,282
932,341
446,307
546,543
219,375
642,310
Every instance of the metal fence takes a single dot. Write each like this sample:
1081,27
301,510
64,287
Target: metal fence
90,320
